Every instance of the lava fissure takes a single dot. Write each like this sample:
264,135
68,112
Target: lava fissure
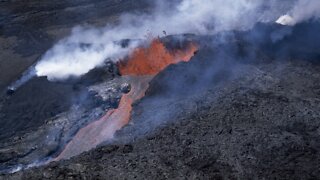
152,60
139,69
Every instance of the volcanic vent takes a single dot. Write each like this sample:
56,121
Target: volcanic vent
138,69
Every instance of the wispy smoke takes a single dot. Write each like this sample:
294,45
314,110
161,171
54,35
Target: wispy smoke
26,76
303,10
81,52
86,49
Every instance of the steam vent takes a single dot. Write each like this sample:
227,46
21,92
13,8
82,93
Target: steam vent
139,89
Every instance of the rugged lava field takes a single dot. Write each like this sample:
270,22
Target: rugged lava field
245,106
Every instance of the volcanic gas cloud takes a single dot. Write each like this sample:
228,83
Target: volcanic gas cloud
139,68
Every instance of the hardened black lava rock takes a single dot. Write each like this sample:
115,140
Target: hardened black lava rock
246,107
232,120
37,118
262,123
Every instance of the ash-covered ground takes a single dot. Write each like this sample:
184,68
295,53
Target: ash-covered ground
245,107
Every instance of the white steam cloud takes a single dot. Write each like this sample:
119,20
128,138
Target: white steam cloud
86,49
26,76
303,10
78,54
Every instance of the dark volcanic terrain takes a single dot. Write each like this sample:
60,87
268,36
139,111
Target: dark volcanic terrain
262,124
246,106
29,28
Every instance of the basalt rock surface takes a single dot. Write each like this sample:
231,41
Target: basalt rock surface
240,109
254,120
75,104
262,124
39,117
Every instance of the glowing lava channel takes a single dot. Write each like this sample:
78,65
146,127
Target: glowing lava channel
139,69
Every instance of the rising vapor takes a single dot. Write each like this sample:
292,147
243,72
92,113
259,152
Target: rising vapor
26,76
303,10
86,48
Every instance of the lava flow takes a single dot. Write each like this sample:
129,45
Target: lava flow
142,65
152,60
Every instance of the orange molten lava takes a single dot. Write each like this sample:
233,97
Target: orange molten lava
141,67
104,128
153,59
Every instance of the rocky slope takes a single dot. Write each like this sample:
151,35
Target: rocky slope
217,117
42,114
246,106
262,124
29,28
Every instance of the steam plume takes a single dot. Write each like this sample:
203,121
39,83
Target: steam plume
26,76
76,56
87,48
302,11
